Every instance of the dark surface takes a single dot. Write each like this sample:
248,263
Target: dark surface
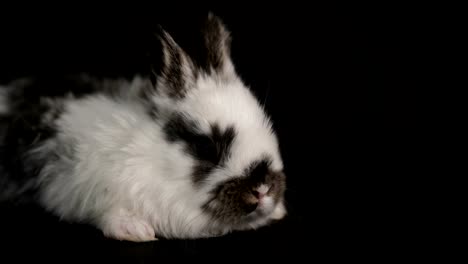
323,73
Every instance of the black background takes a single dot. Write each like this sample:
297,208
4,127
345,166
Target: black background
325,73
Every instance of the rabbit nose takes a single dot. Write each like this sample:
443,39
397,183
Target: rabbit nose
261,191
258,195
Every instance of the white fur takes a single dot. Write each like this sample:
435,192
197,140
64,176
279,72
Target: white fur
116,170
111,165
216,102
119,162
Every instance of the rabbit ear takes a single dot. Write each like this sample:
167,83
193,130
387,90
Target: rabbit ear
217,40
177,73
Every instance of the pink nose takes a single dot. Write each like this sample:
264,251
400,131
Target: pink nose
260,192
260,195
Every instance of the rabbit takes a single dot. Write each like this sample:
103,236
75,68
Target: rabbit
186,152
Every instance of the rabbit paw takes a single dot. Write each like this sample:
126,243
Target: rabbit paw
128,228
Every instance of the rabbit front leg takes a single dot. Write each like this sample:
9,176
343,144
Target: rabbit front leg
122,225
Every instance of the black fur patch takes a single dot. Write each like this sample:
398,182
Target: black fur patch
258,170
233,200
210,150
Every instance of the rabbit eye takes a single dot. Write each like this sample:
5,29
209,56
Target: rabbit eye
222,141
205,149
272,188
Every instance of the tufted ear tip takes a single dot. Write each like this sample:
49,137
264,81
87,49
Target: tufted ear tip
173,73
218,46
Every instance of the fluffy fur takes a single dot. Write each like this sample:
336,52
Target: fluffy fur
108,160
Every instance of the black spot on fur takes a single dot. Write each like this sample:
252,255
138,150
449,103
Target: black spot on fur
232,201
257,171
210,150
